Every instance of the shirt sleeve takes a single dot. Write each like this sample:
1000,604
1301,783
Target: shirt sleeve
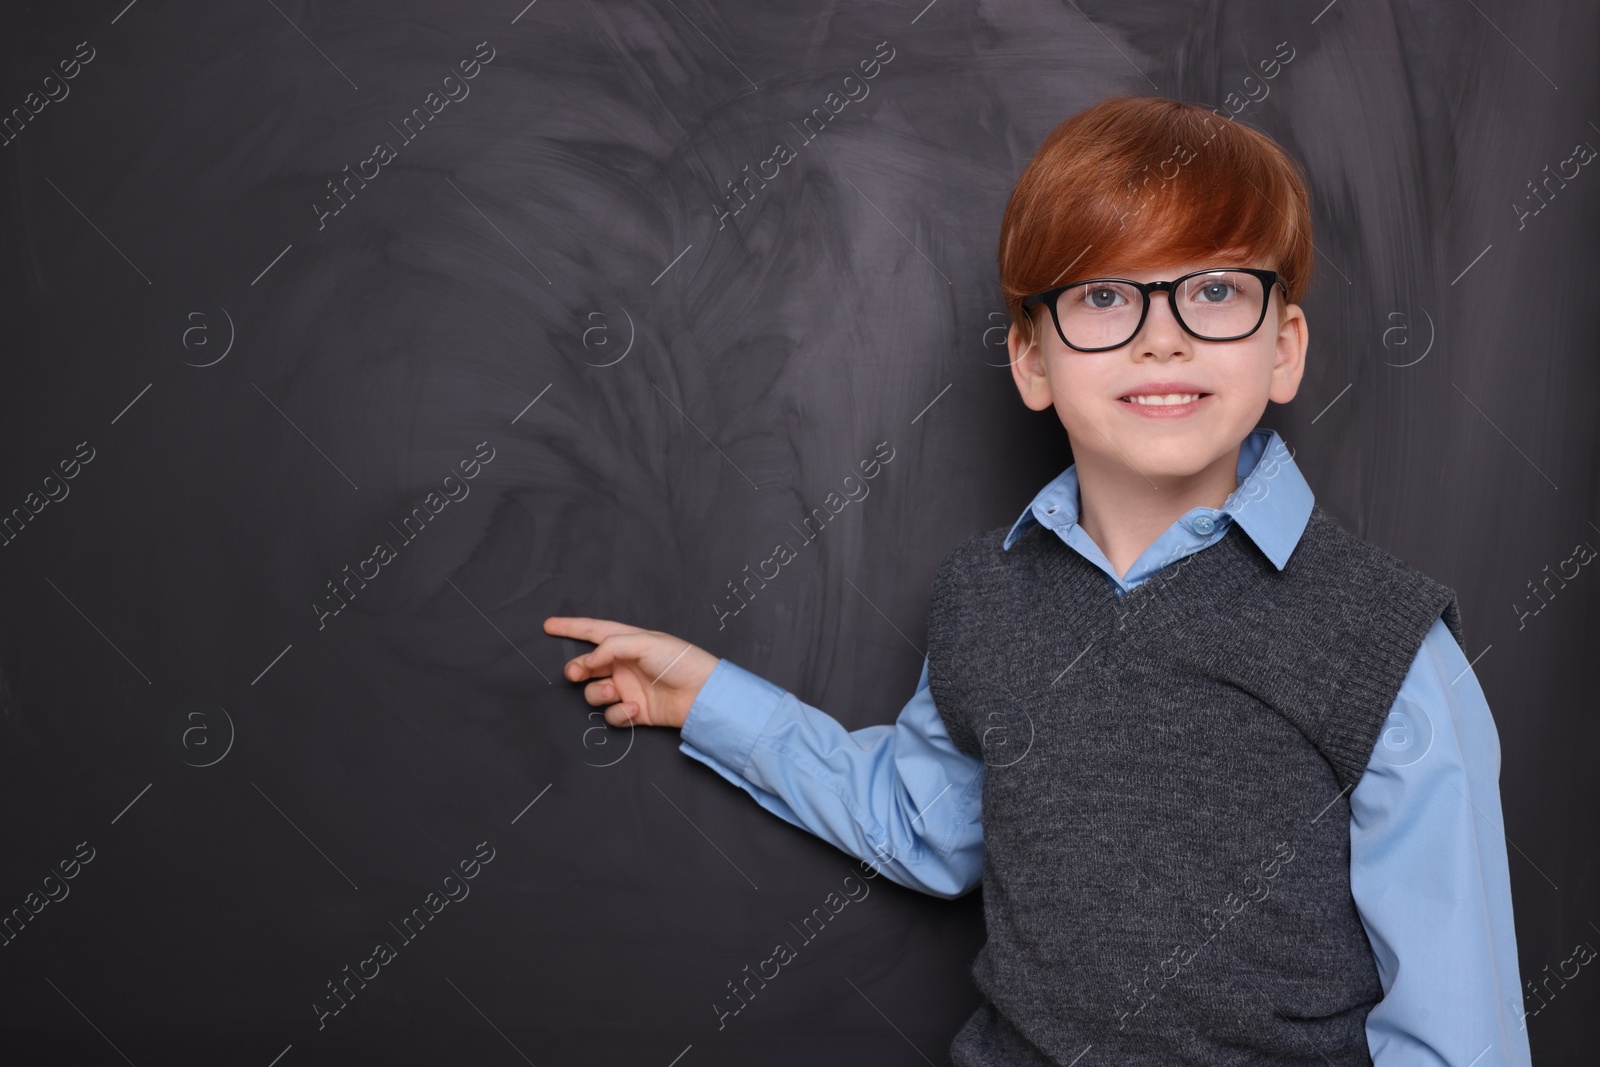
900,796
1429,875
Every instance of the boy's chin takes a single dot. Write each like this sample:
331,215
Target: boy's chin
1160,467
1178,457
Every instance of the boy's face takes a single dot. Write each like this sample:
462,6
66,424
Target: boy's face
1110,433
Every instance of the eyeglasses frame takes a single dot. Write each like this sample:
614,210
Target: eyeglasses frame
1047,297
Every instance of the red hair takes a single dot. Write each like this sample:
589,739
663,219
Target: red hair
1136,182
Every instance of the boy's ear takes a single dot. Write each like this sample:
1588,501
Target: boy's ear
1028,368
1289,357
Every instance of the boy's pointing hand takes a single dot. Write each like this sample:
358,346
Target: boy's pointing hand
646,678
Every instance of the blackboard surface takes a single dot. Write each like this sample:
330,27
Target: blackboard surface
346,342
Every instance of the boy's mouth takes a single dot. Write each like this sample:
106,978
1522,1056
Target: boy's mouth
1175,398
1171,392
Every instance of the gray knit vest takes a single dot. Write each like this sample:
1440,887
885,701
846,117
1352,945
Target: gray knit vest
1166,813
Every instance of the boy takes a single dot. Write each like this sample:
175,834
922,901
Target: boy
1222,767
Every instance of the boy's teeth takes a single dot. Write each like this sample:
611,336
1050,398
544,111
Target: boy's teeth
1166,398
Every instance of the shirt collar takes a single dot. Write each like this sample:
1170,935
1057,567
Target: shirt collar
1272,503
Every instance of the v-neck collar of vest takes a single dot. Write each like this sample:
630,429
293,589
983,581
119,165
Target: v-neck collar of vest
1156,603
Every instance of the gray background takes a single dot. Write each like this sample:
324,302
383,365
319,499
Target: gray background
565,213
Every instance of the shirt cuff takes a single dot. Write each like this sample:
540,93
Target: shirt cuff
729,713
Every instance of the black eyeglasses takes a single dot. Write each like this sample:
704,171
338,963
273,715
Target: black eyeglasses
1216,304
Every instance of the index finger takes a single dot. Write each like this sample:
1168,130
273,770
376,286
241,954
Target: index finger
587,629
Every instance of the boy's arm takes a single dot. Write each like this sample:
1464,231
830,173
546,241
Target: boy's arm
1429,876
900,796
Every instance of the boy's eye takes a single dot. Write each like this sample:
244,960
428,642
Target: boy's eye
1102,296
1218,288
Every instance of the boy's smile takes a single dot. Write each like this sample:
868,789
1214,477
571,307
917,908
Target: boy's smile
1156,424
1165,399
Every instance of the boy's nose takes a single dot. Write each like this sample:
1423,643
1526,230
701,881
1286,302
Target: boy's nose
1159,321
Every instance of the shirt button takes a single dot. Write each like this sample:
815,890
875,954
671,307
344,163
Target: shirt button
1051,510
1204,524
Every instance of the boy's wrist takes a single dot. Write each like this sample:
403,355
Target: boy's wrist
730,713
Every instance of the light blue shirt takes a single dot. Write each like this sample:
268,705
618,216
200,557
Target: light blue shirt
1428,865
